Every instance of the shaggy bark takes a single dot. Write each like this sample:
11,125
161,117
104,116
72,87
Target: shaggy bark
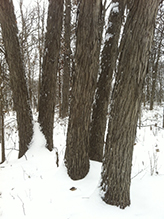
126,101
17,74
108,63
67,54
50,66
83,88
2,118
155,71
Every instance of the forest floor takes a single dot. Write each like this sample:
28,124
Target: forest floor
33,187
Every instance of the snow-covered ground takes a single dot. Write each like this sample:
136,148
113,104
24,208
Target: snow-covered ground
33,187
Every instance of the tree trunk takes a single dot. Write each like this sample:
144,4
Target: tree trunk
108,64
67,54
83,88
147,84
50,66
17,75
126,102
155,72
163,118
154,79
160,93
41,39
2,142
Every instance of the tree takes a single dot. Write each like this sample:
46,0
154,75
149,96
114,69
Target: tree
108,65
28,42
83,88
155,56
17,75
50,66
67,56
126,101
41,14
5,80
160,90
31,38
155,64
2,142
154,79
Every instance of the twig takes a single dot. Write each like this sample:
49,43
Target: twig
22,205
25,173
12,149
149,126
138,173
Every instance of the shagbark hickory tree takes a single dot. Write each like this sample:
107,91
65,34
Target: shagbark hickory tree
2,142
17,74
126,101
67,56
50,66
108,64
83,88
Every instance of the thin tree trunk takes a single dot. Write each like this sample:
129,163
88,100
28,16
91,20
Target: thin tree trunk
2,142
108,64
17,75
154,74
154,79
50,66
126,102
163,118
160,87
84,84
41,39
147,82
67,54
59,81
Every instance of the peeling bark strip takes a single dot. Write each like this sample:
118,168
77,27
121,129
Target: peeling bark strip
17,74
84,84
126,101
50,66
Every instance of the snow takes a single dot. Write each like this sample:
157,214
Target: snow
115,7
108,36
33,187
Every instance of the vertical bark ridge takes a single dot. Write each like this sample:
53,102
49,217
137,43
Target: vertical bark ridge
50,66
83,88
17,75
108,63
126,101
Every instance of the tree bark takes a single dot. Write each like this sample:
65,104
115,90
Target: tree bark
147,85
155,71
17,75
108,64
50,66
126,102
83,88
2,142
67,56
41,39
